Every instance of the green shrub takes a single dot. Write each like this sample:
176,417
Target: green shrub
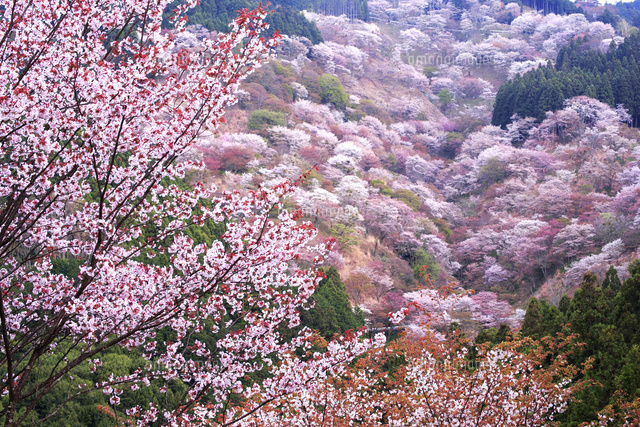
265,118
409,198
443,226
424,265
332,91
382,186
281,70
430,72
446,98
494,171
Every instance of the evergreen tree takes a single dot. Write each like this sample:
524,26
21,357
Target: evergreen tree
613,78
627,310
611,280
332,91
607,320
541,319
628,380
215,15
332,313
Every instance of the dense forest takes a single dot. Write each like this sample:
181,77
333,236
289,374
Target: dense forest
630,11
605,315
215,15
612,77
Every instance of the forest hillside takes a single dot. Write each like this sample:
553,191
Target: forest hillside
398,114
325,213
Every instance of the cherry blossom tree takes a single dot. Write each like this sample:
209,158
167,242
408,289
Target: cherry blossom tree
352,190
413,38
597,263
438,382
312,113
573,241
485,138
291,140
440,250
382,218
419,169
526,23
96,106
552,196
349,149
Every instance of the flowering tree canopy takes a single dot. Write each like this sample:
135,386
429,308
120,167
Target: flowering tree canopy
96,106
440,381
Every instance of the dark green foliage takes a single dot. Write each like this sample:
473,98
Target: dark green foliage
611,280
493,172
353,9
430,72
542,319
356,115
591,315
260,119
424,265
84,410
610,77
626,310
628,379
69,267
494,336
607,319
291,22
564,304
443,226
332,91
608,18
332,313
630,12
446,98
408,197
346,235
486,335
590,307
215,15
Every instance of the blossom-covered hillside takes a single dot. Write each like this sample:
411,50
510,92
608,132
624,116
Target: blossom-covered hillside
412,180
191,236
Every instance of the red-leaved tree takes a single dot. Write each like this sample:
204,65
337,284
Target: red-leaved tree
96,106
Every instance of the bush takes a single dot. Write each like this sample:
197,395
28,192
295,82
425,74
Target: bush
443,227
424,265
409,198
494,171
382,186
355,115
281,70
332,91
446,98
236,158
260,119
430,72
